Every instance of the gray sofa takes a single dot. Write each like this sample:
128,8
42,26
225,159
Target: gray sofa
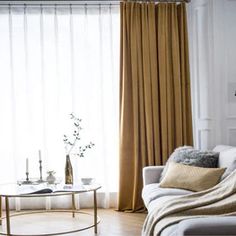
154,195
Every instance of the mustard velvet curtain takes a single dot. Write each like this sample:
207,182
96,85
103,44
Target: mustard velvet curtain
155,100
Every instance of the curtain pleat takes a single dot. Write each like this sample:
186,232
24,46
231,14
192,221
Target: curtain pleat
155,103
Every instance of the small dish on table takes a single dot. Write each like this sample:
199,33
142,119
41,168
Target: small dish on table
87,181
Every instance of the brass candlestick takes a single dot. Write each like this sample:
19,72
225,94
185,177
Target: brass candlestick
40,170
27,181
27,176
40,173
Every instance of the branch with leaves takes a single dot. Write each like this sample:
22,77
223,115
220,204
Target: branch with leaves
70,143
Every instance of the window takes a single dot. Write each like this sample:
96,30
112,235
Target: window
56,60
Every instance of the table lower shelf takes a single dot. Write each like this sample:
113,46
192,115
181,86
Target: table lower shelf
48,222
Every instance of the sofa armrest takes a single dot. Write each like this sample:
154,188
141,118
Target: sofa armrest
152,174
218,225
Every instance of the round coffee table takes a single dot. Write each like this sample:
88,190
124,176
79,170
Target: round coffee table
8,191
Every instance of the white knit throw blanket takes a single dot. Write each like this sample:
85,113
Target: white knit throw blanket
219,200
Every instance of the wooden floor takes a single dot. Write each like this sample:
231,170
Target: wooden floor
112,223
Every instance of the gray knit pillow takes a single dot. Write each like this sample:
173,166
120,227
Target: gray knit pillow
189,156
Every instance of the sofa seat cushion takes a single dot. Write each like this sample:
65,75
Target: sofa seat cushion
153,191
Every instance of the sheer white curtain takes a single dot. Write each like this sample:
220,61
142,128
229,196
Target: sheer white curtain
56,60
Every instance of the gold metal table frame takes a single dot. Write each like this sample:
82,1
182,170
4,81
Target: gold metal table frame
74,211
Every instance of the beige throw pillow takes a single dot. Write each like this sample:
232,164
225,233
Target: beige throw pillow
191,177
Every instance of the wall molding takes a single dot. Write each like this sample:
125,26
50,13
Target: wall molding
231,117
204,142
198,34
212,33
230,129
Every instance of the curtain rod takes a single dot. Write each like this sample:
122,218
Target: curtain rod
77,2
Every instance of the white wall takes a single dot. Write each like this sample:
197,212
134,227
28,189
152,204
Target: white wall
212,35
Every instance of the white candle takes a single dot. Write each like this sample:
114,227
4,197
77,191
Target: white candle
27,165
40,158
